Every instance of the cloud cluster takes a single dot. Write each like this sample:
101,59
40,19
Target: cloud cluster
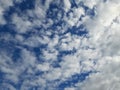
44,46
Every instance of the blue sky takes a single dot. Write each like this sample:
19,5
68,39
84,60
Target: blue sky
59,45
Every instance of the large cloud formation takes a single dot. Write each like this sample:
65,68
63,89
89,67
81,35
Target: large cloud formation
59,44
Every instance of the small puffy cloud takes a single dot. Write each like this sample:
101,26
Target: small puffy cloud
28,58
67,5
70,65
22,25
91,3
43,67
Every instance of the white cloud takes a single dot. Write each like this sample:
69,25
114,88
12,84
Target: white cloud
22,25
32,83
67,5
104,36
74,16
7,86
91,3
70,42
50,54
28,58
4,5
70,88
53,74
106,78
35,40
70,65
43,67
10,68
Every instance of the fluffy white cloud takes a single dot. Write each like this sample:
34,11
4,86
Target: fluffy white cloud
22,25
70,65
91,3
67,5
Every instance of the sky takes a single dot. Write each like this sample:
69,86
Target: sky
59,44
